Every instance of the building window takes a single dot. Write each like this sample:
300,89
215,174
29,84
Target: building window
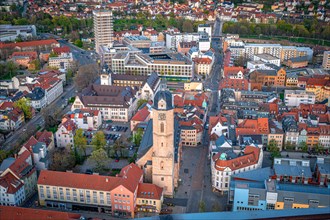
108,198
81,195
94,197
41,189
162,178
61,194
48,192
68,196
88,196
162,127
162,165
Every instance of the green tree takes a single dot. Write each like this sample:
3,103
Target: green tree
62,160
118,146
52,54
137,137
11,68
289,146
100,157
37,64
80,141
303,146
98,140
319,148
273,149
201,206
187,26
25,105
140,103
78,43
3,155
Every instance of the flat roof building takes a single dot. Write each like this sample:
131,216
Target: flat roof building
165,64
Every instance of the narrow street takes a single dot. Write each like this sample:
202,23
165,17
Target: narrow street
195,184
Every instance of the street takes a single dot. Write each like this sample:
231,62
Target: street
195,185
84,58
11,141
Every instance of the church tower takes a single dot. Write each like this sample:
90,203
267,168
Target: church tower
163,142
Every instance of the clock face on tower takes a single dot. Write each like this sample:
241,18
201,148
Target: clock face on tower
162,116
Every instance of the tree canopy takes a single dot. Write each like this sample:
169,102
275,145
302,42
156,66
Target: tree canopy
25,105
100,157
80,141
273,149
98,140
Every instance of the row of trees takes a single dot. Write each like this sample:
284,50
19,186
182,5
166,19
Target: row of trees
158,22
308,29
303,147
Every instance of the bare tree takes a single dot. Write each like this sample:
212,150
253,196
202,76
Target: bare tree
86,75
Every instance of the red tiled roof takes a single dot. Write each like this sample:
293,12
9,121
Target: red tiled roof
129,177
45,137
6,105
149,191
10,183
253,126
19,213
31,142
77,180
316,82
69,125
203,60
132,175
21,163
250,157
214,120
59,50
28,43
232,70
237,84
31,54
178,101
141,115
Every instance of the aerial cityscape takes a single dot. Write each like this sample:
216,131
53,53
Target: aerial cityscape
178,109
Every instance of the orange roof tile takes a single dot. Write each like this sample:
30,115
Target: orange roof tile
19,213
129,177
21,163
77,180
28,43
141,115
250,157
30,143
10,183
45,137
149,191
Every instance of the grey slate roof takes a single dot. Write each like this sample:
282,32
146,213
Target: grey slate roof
6,163
147,140
287,170
166,96
36,94
36,148
152,80
256,175
176,140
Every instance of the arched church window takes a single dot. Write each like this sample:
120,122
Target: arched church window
162,165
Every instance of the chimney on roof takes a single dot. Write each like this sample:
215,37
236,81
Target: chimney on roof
69,171
106,180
